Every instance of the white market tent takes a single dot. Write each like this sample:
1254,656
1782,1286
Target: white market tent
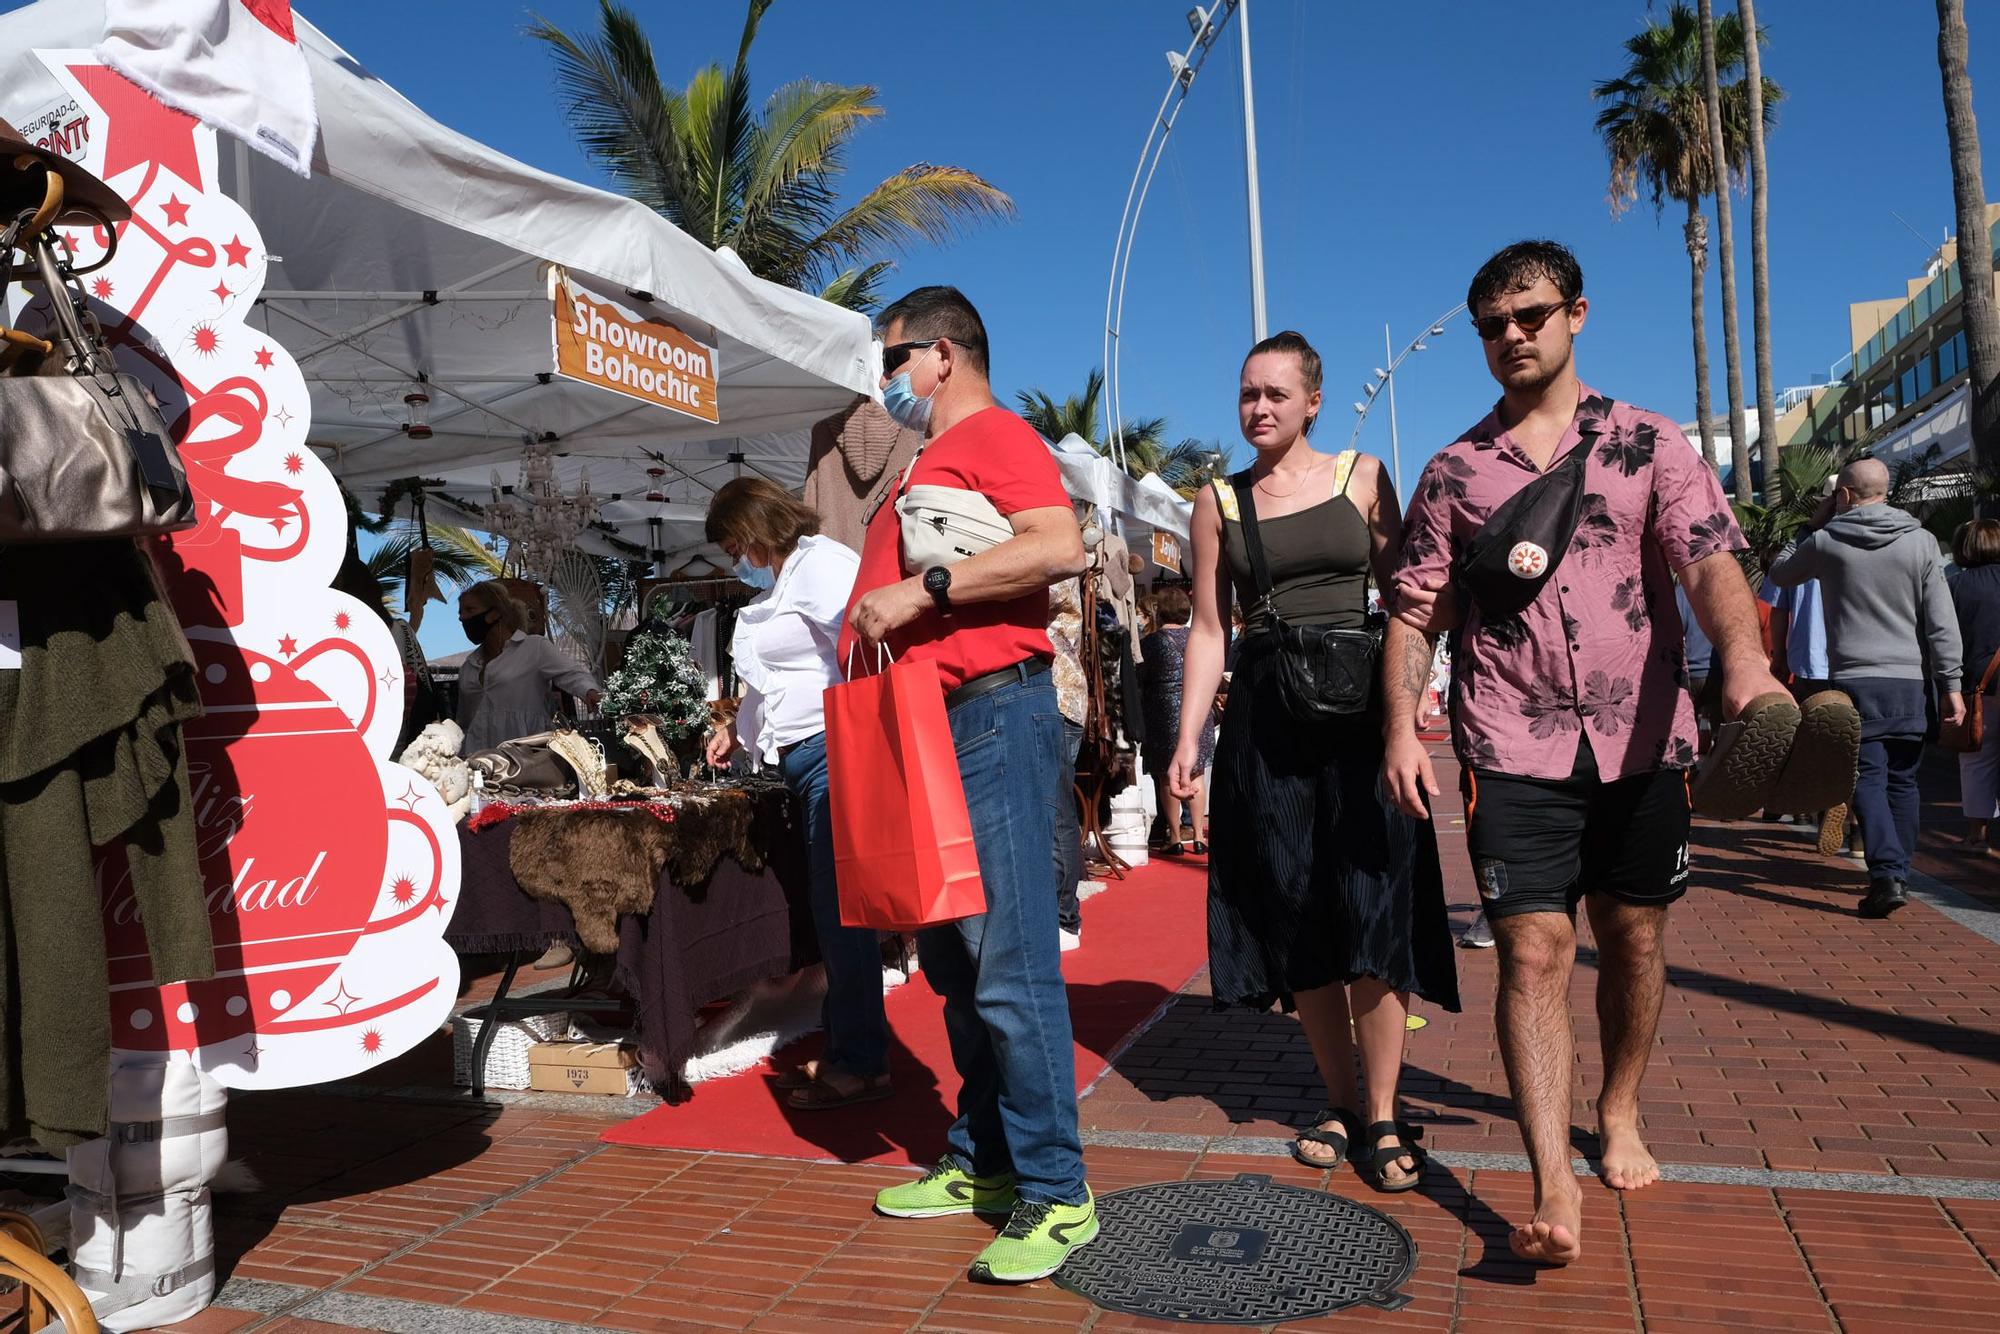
1146,503
414,249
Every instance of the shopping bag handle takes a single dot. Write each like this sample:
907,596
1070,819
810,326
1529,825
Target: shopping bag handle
883,657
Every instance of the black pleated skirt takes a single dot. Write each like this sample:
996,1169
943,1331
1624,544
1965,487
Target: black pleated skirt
1314,877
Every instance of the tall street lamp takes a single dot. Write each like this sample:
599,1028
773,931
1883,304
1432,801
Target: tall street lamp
1386,378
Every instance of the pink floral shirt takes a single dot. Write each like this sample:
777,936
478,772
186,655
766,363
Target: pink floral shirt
1600,653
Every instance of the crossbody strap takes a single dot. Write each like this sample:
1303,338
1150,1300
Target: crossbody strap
1239,502
1986,677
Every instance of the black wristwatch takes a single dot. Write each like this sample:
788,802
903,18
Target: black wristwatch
937,582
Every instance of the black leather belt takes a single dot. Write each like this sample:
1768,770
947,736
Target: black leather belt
1025,670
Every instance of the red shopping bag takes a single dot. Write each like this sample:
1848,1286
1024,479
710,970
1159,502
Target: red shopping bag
902,840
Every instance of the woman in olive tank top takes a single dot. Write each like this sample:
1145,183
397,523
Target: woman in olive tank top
1321,895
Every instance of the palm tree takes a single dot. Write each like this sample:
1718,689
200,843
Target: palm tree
1654,122
765,184
1975,252
1794,482
1732,348
458,558
1760,269
1186,466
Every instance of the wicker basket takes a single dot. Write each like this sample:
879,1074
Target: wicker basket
507,1062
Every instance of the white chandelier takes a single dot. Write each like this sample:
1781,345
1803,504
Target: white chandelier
539,521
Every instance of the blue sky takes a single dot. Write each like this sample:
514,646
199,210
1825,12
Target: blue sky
1400,145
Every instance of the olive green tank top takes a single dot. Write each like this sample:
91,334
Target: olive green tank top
1319,557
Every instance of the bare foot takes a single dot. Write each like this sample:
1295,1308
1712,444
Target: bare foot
1626,1164
1554,1235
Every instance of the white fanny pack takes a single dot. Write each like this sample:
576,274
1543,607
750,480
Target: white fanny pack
942,525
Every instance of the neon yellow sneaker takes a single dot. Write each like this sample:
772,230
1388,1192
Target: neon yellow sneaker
1036,1241
948,1189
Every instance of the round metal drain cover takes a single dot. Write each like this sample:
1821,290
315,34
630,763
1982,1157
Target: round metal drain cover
1242,1252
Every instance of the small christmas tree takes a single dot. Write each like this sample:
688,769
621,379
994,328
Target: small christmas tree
660,677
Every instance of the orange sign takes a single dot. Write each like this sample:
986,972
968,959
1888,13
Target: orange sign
1167,551
600,342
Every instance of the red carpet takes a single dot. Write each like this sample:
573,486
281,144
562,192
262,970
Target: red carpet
1143,938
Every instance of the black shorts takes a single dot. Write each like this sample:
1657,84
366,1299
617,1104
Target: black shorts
1541,844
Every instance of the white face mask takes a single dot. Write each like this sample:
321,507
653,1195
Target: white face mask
900,401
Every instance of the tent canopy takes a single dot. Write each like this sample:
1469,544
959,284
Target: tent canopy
416,250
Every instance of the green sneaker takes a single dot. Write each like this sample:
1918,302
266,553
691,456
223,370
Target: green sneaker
1036,1241
948,1189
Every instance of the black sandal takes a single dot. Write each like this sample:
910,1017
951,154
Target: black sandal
1173,849
1373,1162
1198,848
1337,1140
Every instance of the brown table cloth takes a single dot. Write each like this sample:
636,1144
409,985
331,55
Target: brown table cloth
698,944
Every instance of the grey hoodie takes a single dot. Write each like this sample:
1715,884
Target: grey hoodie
1885,595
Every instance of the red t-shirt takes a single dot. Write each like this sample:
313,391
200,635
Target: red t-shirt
997,454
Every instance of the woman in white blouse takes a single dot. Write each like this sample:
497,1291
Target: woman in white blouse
503,688
784,650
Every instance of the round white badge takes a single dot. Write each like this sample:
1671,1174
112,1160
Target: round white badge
1527,560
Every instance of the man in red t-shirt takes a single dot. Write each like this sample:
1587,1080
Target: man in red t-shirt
1014,1148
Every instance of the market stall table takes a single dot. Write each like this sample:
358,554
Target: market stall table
697,944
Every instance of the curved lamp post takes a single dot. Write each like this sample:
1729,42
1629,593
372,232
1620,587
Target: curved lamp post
1206,25
1387,378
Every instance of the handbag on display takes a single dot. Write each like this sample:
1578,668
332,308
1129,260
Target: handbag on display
903,852
1969,734
84,452
1322,673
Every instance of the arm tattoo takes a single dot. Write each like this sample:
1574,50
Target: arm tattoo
1416,664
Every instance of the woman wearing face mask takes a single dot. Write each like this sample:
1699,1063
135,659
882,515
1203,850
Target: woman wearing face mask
784,654
1321,895
503,688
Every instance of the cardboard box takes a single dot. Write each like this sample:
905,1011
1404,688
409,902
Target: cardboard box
582,1067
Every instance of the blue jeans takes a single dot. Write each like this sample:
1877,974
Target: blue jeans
1000,973
857,1033
1069,833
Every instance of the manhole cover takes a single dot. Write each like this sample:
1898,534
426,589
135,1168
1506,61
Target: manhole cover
1242,1252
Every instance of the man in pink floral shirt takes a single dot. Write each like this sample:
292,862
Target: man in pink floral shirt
1571,717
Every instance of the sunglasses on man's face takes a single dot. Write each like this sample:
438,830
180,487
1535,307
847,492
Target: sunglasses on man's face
895,354
1531,319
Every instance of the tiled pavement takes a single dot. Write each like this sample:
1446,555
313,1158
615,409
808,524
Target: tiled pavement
1823,1095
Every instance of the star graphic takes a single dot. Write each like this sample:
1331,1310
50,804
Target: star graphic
404,890
410,796
239,254
288,646
69,239
388,679
264,358
175,211
141,130
343,1000
294,463
222,292
253,1051
341,620
282,416
371,1042
206,340
101,288
278,524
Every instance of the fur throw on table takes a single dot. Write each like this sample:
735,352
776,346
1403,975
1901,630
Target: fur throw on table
598,864
601,862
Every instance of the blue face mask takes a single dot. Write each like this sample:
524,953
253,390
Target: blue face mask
900,401
758,577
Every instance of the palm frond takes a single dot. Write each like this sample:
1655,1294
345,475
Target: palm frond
796,147
622,115
857,289
925,202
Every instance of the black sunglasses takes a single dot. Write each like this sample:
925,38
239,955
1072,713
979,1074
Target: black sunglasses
895,354
1493,327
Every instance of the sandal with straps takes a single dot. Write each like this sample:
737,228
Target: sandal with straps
1337,1140
1373,1162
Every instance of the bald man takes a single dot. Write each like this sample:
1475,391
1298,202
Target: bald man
1891,635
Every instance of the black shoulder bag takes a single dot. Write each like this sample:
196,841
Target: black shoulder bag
1525,539
1323,673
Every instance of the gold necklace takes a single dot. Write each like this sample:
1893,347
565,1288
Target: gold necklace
1286,495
